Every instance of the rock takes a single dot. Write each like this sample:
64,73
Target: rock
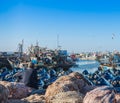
73,82
35,99
4,92
103,94
31,99
67,97
17,90
16,101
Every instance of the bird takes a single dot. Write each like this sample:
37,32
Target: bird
113,35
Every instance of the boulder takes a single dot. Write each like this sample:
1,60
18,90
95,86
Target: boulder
35,99
69,97
16,101
17,90
72,82
30,99
4,92
103,94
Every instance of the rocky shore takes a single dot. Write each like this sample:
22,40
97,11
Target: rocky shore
73,88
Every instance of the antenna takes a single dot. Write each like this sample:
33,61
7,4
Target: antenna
58,46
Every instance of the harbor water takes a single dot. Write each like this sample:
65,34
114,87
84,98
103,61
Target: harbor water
90,65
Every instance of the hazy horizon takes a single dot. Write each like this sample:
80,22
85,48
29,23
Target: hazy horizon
87,25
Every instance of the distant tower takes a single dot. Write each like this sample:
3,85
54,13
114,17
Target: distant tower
36,49
20,48
37,43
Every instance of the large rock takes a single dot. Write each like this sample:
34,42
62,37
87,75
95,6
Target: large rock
4,92
103,94
31,99
16,101
67,97
17,90
35,99
73,82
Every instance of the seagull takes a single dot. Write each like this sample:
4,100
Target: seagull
113,35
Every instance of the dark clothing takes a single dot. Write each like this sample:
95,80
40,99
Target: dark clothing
33,80
26,75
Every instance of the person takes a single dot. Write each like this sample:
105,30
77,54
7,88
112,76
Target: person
33,80
29,78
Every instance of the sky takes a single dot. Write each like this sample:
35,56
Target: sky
82,25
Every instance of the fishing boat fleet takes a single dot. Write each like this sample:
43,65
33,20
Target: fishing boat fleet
48,64
104,76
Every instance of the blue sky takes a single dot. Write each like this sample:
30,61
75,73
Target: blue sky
82,25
